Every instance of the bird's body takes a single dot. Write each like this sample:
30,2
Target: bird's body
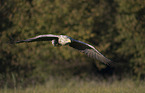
61,40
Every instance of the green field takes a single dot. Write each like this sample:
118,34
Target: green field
81,86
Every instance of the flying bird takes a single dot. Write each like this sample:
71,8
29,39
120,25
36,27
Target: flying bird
61,40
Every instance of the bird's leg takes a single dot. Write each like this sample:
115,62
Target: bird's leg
54,42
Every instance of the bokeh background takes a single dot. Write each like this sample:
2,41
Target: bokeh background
115,27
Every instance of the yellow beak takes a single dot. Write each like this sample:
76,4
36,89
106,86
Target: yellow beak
69,41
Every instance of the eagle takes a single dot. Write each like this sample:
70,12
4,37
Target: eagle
62,40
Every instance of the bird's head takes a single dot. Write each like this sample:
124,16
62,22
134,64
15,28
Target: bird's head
64,40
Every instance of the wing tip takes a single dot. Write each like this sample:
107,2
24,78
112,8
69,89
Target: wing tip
21,41
110,63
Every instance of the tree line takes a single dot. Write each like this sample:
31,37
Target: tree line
115,27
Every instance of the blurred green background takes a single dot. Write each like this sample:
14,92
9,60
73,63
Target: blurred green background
115,27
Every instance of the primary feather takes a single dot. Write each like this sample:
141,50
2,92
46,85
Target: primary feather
48,37
89,50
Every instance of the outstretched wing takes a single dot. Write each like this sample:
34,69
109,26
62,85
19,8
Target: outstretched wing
40,38
89,50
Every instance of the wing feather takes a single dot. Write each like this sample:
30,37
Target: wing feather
89,50
48,37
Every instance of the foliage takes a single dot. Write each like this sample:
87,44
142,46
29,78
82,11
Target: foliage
80,86
114,27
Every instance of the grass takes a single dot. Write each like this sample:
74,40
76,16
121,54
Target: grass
81,86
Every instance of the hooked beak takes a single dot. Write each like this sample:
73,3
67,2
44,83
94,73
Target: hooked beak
69,41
